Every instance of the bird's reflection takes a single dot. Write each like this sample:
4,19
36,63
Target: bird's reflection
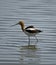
29,47
29,53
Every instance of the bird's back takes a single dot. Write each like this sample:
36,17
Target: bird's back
32,29
29,27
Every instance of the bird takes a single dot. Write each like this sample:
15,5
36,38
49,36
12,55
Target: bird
29,31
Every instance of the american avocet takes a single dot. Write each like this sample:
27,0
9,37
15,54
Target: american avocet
29,31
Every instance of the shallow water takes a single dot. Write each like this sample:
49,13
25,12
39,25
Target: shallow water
14,43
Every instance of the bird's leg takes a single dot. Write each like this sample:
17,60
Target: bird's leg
29,40
36,38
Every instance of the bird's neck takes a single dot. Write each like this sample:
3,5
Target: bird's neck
22,27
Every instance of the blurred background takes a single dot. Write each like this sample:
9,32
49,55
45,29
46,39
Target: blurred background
13,42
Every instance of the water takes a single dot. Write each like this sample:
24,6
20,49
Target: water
13,42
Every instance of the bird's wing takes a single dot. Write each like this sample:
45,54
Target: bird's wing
31,30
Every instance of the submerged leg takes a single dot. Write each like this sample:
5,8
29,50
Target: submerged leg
29,40
36,38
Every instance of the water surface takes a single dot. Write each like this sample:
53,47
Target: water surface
14,43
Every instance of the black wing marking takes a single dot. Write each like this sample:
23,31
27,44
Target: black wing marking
29,27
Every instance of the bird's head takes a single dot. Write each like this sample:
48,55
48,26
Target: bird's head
21,22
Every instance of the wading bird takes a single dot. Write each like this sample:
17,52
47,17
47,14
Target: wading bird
29,31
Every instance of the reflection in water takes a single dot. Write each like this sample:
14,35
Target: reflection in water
29,54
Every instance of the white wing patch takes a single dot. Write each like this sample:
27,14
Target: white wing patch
31,29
